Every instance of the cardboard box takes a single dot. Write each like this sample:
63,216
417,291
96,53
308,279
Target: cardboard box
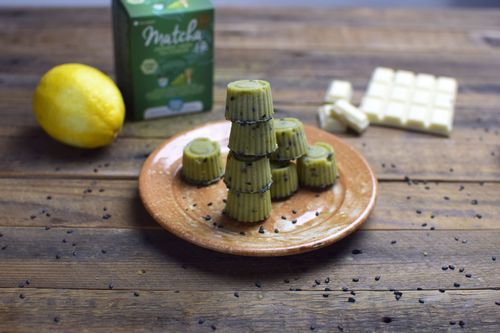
164,56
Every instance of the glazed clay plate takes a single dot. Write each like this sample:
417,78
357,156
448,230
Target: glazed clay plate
308,220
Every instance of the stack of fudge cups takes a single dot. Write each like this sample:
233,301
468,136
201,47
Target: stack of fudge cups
249,107
292,144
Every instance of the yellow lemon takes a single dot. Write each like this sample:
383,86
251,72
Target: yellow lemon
79,106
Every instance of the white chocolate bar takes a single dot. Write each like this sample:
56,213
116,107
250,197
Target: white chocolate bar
350,115
327,122
338,90
407,100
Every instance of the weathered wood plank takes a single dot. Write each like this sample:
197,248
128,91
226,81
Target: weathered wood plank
251,311
155,259
81,203
430,158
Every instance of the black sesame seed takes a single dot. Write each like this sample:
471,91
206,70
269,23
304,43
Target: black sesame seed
207,217
464,241
357,251
377,277
58,256
351,300
283,217
461,269
276,231
111,286
468,275
456,285
236,294
258,285
103,251
452,322
345,289
56,319
452,267
444,268
433,228
494,258
479,216
317,213
294,221
353,293
294,211
474,202
441,290
318,282
20,285
106,216
497,303
136,294
418,288
446,198
213,327
393,242
21,296
201,321
387,320
421,301
327,280
261,229
461,323
355,280
286,281
424,224
326,295
419,211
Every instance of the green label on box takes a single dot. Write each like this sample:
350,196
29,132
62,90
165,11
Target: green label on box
164,56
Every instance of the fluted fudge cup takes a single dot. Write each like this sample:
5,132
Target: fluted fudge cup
247,173
291,139
249,100
285,180
318,167
253,139
248,207
201,162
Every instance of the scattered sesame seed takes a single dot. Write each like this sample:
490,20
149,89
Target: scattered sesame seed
456,285
393,242
258,285
356,251
387,320
355,280
468,275
351,300
377,277
236,294
421,300
441,290
261,229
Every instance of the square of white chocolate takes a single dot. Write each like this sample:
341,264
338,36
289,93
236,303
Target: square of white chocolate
422,97
447,85
383,75
407,100
418,116
400,94
395,113
378,90
327,122
425,81
404,78
373,107
338,90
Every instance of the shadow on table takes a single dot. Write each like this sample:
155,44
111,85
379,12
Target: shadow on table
191,256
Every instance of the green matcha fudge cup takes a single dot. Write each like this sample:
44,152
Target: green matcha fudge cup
247,173
318,167
248,207
249,100
285,179
291,139
201,162
254,139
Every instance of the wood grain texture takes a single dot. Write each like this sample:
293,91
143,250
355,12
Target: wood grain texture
55,234
430,158
102,311
81,203
156,260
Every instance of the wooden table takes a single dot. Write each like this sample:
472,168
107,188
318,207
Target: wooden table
427,255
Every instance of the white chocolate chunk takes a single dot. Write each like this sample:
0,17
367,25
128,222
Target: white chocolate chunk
383,75
418,117
402,99
425,81
327,122
350,115
404,78
338,90
395,113
379,90
374,108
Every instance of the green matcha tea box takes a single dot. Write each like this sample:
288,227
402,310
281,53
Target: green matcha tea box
164,56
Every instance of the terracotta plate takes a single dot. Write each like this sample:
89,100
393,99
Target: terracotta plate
307,221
